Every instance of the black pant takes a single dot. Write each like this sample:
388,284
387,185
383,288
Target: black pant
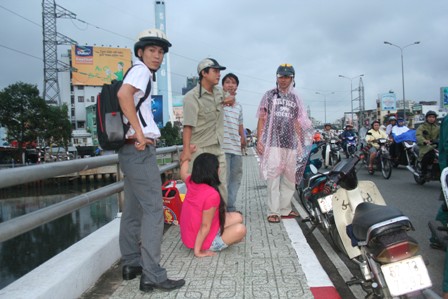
395,150
427,160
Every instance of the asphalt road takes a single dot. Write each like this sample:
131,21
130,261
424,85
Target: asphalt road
419,202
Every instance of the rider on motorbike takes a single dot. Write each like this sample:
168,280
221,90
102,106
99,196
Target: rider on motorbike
327,134
427,138
343,136
396,148
392,123
371,137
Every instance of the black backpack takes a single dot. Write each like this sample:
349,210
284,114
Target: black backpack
109,118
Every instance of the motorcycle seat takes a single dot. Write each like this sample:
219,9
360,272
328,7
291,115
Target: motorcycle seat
371,220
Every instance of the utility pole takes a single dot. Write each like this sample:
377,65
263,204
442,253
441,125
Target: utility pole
51,39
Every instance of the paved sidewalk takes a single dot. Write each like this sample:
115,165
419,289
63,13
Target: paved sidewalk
264,265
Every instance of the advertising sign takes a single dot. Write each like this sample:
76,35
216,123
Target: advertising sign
96,66
388,101
157,110
444,97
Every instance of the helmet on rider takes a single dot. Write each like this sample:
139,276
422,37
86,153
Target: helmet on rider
400,121
327,125
285,70
430,112
348,126
151,37
392,118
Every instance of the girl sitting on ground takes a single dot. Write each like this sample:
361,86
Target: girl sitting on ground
205,226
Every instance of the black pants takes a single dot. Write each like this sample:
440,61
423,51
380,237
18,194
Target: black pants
427,160
396,150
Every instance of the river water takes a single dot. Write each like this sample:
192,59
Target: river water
22,254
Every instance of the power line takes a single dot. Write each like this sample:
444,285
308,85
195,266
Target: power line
23,53
20,16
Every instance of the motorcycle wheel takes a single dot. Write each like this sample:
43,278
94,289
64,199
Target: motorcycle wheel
418,178
386,168
336,240
306,205
351,151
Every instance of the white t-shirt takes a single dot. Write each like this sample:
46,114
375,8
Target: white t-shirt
138,77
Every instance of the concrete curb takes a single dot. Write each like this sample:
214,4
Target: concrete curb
317,279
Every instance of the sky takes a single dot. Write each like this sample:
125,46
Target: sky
321,39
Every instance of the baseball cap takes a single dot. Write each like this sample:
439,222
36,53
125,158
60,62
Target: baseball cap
211,63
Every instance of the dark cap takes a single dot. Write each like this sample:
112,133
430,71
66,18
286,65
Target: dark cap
285,70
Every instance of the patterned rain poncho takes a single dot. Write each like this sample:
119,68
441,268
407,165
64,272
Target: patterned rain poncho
286,134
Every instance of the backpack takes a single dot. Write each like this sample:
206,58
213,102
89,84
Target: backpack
110,127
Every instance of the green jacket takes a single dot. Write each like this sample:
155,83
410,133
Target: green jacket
443,144
432,134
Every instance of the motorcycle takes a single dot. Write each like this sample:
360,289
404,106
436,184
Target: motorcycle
382,160
350,146
316,204
332,154
374,236
414,164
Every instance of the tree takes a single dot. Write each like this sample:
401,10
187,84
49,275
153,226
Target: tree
28,117
171,134
20,107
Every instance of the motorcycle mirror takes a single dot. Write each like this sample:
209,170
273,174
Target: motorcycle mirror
313,169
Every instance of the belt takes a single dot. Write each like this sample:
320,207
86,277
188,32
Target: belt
133,141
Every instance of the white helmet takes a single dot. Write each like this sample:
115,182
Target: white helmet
152,37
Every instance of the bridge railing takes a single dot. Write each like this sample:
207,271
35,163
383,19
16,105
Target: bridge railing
22,175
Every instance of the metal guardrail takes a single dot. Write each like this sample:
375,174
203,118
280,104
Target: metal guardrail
17,176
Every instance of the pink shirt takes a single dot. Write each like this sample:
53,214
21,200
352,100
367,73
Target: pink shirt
199,197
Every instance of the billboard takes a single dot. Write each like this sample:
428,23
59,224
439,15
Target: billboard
444,97
96,66
388,101
157,110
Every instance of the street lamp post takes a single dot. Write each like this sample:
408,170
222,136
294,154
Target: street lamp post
402,70
325,104
351,91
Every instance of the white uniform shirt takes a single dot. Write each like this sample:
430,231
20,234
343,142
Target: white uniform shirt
139,77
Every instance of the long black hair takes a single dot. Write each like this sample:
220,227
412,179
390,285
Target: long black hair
205,171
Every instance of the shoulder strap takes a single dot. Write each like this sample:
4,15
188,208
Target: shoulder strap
145,96
147,92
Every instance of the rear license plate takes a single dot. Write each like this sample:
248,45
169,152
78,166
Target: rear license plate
406,276
325,204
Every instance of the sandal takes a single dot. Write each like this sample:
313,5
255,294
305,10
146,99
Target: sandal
273,219
370,170
291,214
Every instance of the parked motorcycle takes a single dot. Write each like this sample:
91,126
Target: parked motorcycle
351,146
315,200
382,160
332,155
374,236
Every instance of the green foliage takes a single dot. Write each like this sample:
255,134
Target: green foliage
27,117
171,134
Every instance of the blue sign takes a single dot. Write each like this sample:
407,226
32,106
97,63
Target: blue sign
157,109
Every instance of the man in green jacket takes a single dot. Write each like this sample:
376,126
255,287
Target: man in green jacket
427,136
443,144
